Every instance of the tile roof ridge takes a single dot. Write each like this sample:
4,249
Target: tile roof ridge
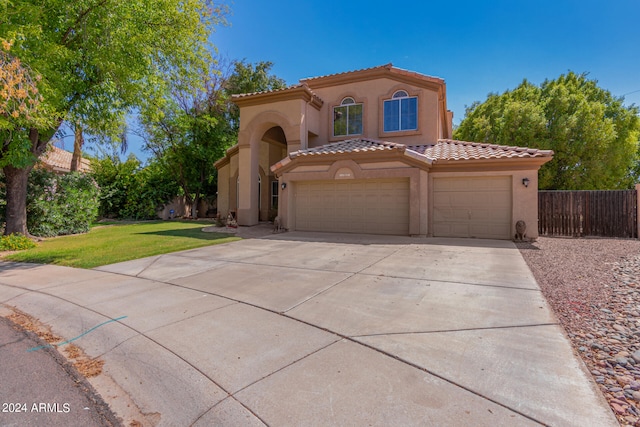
388,66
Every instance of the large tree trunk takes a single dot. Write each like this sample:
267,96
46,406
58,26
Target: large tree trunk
78,141
16,200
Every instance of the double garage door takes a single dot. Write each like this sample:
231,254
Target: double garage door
472,207
462,206
373,206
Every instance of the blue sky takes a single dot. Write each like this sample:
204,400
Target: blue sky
477,47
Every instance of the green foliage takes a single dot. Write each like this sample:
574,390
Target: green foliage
249,78
128,191
198,126
16,242
97,60
60,204
594,136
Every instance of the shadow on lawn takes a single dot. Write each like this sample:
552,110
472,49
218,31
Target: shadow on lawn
192,233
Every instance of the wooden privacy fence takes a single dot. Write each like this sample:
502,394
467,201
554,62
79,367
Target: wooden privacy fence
610,213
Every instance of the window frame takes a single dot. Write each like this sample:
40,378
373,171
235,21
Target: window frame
346,107
398,96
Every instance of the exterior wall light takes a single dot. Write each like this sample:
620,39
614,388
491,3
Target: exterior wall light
283,185
525,182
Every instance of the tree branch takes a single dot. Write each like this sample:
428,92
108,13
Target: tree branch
81,17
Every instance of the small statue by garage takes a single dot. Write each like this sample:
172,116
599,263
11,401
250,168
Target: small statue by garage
521,230
231,221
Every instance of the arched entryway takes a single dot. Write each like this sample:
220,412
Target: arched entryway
264,142
273,148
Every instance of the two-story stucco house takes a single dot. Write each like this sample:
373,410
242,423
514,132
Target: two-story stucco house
370,151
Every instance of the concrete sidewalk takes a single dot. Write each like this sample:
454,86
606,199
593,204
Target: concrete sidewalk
319,329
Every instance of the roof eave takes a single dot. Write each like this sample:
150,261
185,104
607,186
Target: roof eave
388,71
301,92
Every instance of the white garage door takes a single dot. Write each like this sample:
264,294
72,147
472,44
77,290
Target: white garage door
378,206
472,207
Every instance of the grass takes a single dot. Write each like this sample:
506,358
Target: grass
123,242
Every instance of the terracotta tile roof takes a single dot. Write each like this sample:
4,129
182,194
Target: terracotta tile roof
60,160
380,70
350,146
444,149
292,88
284,89
377,67
448,149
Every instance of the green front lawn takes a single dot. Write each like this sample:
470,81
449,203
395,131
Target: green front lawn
116,243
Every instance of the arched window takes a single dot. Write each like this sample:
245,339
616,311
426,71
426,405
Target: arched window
401,112
347,118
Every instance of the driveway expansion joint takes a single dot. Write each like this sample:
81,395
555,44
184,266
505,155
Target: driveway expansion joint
370,347
286,366
457,282
439,331
420,368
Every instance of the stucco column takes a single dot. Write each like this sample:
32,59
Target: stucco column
424,202
248,183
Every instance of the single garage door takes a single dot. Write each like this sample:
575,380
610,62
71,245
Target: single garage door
472,207
379,206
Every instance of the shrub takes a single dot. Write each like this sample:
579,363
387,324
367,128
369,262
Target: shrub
58,205
15,242
128,191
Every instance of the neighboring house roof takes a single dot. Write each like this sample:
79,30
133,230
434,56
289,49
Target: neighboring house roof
59,160
443,150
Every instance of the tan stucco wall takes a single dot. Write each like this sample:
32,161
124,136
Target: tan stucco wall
524,199
268,154
223,190
372,94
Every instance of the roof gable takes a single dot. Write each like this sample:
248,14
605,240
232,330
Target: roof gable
382,71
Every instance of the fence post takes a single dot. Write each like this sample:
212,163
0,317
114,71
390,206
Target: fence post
638,209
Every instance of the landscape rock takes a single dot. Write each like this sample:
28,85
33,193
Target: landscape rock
599,308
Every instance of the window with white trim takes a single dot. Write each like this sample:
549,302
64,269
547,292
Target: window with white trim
347,118
401,112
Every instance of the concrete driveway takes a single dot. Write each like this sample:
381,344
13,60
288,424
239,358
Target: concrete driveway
320,329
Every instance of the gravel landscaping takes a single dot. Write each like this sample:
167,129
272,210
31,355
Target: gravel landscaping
593,286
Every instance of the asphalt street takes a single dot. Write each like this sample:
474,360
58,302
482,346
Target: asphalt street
40,388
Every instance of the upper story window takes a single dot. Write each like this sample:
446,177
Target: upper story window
401,112
347,118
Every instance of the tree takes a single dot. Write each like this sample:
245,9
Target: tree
594,136
130,191
249,78
98,59
199,123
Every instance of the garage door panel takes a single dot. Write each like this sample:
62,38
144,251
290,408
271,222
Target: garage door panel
353,206
472,207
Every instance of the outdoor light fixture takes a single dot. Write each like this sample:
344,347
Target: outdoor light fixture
525,182
283,185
